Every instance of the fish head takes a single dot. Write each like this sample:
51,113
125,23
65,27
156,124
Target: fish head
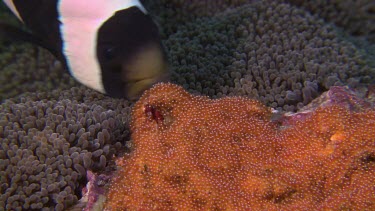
130,53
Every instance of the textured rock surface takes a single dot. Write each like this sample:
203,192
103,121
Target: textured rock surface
193,153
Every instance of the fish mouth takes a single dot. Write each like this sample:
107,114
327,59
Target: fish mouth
135,88
145,68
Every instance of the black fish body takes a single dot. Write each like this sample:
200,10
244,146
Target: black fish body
112,46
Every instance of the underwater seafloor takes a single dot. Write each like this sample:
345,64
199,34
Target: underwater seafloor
283,53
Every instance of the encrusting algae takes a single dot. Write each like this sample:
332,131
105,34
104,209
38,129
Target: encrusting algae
194,153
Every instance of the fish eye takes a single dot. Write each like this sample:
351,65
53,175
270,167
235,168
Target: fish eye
110,53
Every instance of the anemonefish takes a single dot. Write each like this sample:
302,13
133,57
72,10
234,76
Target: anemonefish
112,46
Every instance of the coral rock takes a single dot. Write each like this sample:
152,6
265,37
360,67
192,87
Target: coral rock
194,153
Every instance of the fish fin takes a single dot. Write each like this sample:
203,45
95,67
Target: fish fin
12,33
